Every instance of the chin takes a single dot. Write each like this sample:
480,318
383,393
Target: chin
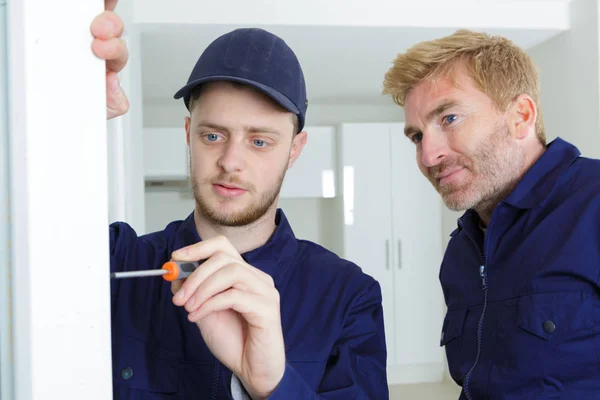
228,210
460,200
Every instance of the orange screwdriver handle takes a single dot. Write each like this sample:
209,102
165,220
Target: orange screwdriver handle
179,269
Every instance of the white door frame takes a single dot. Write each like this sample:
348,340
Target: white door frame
59,202
6,363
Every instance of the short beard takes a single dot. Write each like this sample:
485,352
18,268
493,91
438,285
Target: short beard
497,165
245,217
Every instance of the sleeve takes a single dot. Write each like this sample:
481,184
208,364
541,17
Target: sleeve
357,364
122,239
128,252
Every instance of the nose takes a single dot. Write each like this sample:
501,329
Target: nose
233,158
434,150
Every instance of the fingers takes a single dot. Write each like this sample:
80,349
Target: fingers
116,101
223,271
110,4
187,288
114,51
215,247
107,25
237,270
107,29
206,249
243,302
232,276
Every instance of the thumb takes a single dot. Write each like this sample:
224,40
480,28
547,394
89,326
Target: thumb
117,103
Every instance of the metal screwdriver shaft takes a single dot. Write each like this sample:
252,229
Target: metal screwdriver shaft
170,271
138,274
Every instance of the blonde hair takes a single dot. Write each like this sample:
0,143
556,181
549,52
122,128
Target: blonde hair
499,68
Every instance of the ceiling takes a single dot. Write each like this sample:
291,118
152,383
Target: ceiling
341,64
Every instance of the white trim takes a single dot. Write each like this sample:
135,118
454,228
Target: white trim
116,171
59,204
442,14
125,140
415,373
6,360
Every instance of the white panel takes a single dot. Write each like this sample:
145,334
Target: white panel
165,153
126,141
313,173
569,67
417,256
6,362
58,165
367,195
458,13
165,206
116,171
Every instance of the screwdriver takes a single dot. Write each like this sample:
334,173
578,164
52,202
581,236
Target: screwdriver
170,271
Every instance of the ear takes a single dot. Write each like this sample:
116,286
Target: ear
297,145
524,115
188,122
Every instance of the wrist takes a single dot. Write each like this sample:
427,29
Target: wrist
265,389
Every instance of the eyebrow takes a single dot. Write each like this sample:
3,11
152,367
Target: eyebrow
249,129
408,130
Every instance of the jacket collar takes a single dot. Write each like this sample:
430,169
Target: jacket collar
272,258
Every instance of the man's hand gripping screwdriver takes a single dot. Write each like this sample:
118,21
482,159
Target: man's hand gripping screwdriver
170,271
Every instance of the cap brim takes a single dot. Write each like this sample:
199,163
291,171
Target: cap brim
279,97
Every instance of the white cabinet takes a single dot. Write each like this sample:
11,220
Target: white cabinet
313,173
166,158
166,155
393,231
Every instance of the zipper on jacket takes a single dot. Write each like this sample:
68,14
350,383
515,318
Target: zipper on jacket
216,378
484,287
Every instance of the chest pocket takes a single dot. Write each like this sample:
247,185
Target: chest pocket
451,338
558,333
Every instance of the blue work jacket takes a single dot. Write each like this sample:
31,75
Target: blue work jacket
523,319
331,315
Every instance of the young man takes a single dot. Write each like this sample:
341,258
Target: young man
520,274
266,315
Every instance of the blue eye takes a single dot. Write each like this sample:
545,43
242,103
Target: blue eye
259,143
450,118
211,137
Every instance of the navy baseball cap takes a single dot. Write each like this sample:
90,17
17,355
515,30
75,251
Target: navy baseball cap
257,58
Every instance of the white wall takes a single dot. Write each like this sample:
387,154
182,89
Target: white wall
569,71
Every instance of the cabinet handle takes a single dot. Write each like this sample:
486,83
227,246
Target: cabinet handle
387,254
399,254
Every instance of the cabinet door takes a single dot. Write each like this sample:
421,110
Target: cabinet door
417,231
166,155
366,191
312,175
